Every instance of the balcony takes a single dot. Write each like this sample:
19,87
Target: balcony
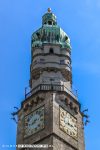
50,87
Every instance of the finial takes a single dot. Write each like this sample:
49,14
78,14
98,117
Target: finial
49,10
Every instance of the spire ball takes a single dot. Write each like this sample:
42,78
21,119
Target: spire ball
49,10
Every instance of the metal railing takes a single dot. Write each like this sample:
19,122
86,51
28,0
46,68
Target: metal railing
49,87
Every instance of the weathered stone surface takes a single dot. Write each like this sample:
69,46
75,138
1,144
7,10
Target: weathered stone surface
52,132
51,87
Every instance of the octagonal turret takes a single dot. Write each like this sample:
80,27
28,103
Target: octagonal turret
51,54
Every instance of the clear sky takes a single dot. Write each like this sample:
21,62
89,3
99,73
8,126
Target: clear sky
80,19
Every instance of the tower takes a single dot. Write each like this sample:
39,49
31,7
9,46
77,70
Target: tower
50,113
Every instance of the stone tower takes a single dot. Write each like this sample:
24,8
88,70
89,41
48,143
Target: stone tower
50,113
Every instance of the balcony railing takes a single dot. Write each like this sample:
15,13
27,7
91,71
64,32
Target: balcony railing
49,87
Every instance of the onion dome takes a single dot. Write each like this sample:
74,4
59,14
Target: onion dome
50,33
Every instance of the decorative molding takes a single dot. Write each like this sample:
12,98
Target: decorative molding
33,102
70,104
35,74
46,54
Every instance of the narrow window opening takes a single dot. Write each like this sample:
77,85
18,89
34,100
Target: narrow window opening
51,51
50,22
62,62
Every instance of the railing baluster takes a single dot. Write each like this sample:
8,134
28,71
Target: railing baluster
48,87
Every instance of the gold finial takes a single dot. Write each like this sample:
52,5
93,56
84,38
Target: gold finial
49,10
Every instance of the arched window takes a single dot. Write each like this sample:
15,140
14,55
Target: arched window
51,51
49,22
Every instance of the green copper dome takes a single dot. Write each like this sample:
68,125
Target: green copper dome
49,18
50,33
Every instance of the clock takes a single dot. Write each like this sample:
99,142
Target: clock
34,122
68,123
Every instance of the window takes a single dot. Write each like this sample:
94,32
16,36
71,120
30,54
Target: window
53,23
41,60
57,38
62,62
51,79
49,22
66,38
51,51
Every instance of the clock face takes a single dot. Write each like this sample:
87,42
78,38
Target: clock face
68,123
34,122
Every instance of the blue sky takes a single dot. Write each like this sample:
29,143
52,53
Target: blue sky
81,21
